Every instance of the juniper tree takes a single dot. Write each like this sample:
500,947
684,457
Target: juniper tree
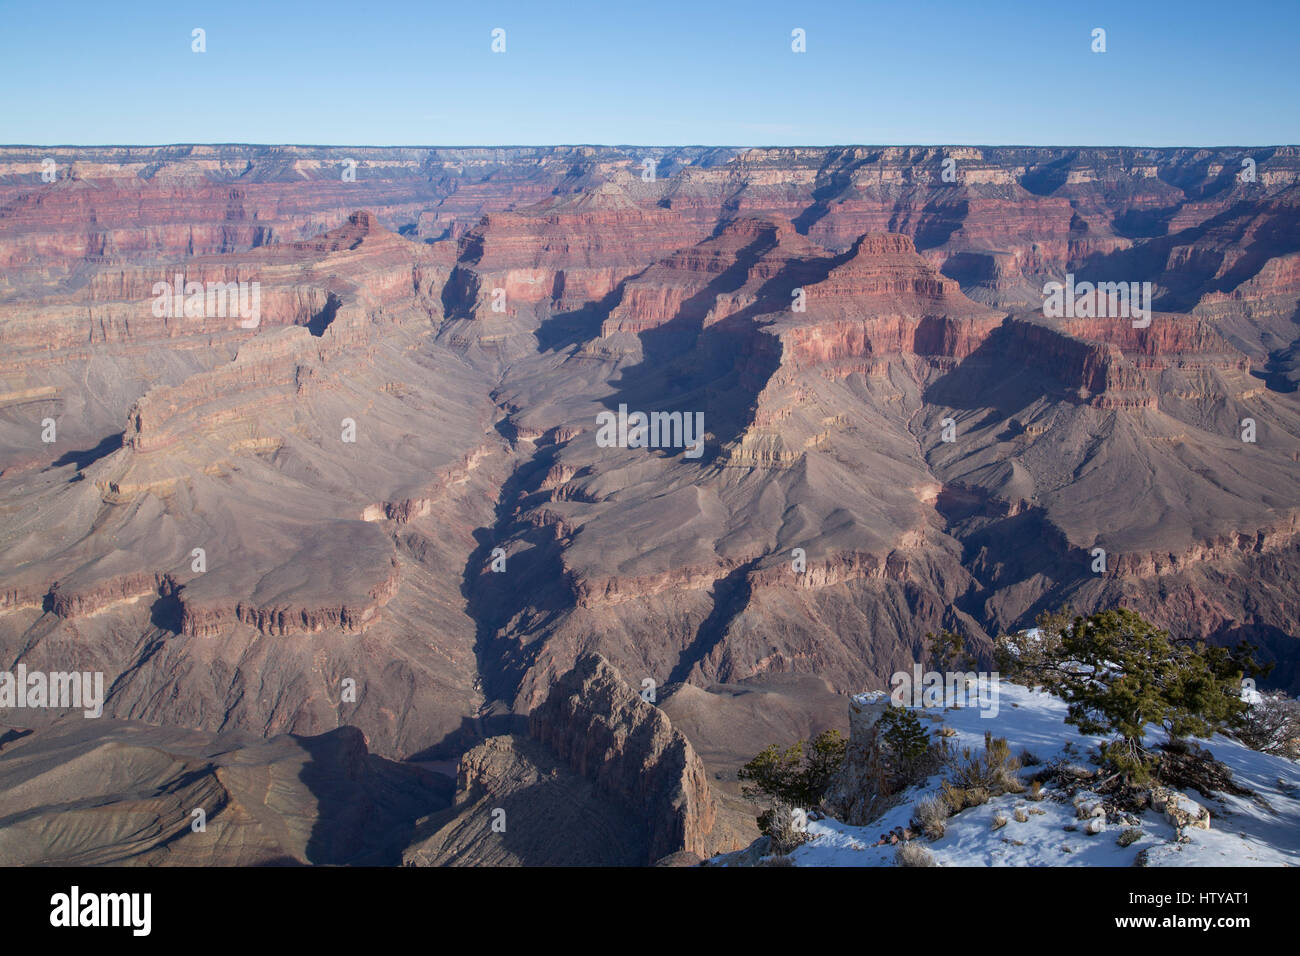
947,651
1272,725
905,745
796,777
1118,673
793,775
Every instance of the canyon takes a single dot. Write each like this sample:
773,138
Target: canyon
386,507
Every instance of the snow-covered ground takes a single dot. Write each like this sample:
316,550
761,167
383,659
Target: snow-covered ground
1242,831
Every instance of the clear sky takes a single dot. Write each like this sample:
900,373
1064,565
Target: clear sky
651,72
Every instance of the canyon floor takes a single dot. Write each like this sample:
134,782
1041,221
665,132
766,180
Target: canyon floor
372,525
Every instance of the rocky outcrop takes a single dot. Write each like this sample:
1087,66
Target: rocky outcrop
517,805
1181,811
605,732
856,794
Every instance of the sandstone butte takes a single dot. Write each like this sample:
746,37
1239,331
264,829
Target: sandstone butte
470,312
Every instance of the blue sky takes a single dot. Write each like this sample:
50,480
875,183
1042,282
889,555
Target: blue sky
422,73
